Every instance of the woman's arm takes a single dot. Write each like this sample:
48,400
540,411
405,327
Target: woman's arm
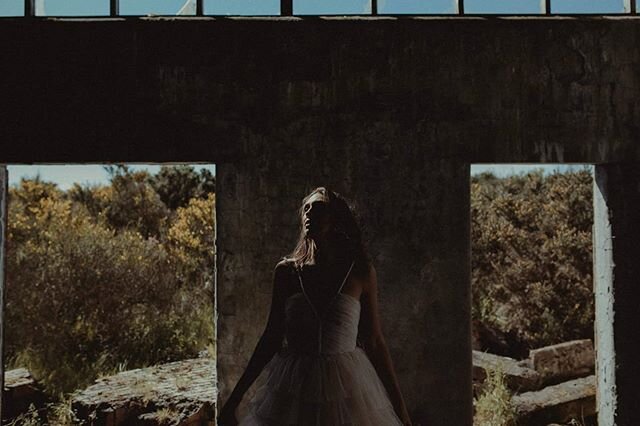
269,343
376,347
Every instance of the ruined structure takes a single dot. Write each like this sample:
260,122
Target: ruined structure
388,111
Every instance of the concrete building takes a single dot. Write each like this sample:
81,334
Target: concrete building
388,111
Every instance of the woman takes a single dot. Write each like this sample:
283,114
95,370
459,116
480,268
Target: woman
322,292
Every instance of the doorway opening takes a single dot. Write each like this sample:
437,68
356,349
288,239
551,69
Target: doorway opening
533,306
109,291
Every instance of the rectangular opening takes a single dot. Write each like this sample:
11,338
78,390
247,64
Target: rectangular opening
511,7
12,8
415,7
242,7
331,7
72,8
533,307
591,6
109,268
157,7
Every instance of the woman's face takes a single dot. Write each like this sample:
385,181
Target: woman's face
316,218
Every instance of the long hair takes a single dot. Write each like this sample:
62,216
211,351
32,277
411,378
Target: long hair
346,230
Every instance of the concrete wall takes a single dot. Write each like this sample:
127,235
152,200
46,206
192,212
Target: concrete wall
618,369
388,111
3,243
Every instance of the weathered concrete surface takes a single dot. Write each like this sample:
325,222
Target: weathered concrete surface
20,390
518,377
4,182
557,403
618,188
566,360
533,90
603,267
181,391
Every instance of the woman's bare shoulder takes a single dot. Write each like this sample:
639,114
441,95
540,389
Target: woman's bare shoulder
366,275
285,265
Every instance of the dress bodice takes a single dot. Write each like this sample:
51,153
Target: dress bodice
333,330
338,332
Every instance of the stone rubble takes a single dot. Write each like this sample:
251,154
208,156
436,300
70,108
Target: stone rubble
178,393
553,385
20,390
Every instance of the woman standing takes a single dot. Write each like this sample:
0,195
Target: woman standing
323,293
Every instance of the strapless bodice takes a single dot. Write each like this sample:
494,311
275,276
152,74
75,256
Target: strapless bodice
336,332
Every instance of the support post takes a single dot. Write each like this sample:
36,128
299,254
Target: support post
114,7
286,7
616,250
4,178
29,8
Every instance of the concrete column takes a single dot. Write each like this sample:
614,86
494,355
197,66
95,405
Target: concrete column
416,224
616,272
4,178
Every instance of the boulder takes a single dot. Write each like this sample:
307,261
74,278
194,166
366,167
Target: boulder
20,391
559,403
568,360
178,393
518,376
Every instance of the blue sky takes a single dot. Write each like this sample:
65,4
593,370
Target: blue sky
308,7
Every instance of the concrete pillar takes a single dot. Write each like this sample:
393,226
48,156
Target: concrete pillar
417,227
4,178
616,272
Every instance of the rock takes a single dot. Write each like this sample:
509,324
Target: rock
178,393
568,360
518,377
557,403
20,390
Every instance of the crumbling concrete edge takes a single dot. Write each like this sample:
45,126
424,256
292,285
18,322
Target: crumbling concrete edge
603,274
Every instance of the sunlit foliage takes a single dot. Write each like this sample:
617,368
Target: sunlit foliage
531,255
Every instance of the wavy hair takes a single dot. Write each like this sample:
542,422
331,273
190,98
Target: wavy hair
346,230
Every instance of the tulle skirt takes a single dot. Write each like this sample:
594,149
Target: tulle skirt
340,389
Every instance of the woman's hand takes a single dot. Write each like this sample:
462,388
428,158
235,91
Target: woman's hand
227,416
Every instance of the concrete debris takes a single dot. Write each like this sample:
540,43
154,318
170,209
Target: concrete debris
178,393
568,360
518,377
20,390
558,403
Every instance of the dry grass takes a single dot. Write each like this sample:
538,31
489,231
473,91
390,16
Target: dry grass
493,407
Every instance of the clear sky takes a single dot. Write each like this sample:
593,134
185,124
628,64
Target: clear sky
306,7
66,175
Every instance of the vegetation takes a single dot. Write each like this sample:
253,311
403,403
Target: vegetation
493,406
531,255
106,278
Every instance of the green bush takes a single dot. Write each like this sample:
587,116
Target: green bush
84,299
531,255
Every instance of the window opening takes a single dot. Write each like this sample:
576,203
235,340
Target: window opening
109,268
533,307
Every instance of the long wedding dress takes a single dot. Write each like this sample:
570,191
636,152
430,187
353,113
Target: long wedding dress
322,378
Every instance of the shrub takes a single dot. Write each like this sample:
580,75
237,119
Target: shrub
83,300
493,407
531,255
